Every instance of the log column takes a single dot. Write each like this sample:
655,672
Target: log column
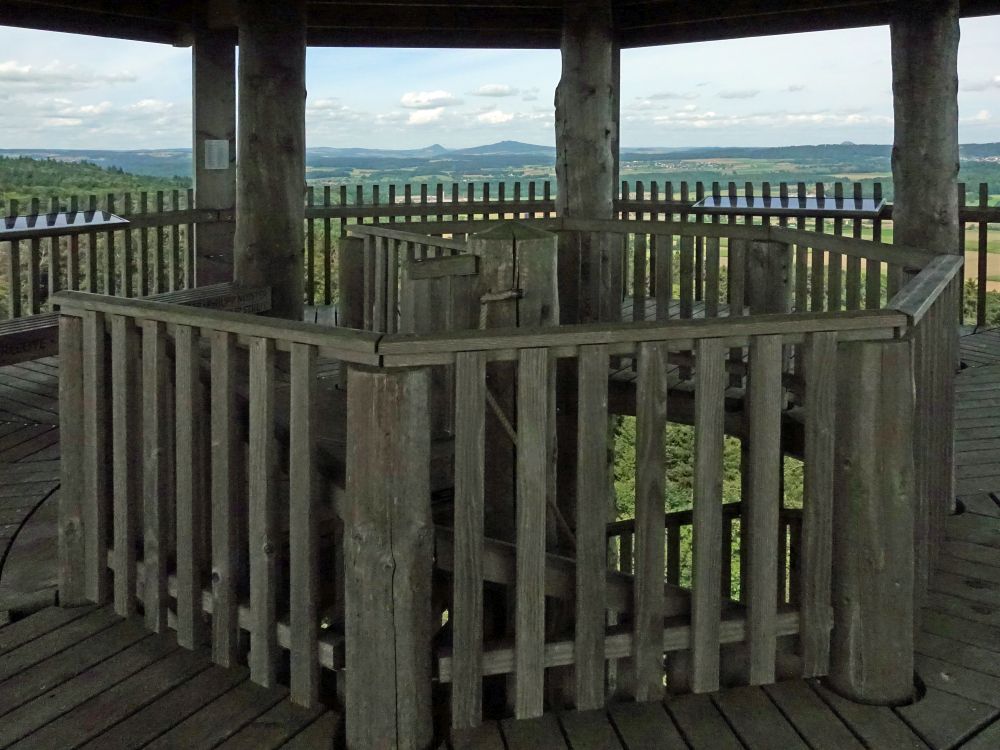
214,96
271,178
873,577
388,560
586,162
925,37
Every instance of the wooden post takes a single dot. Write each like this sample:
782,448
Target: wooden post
271,178
586,142
351,282
925,37
388,559
72,557
871,657
214,98
767,277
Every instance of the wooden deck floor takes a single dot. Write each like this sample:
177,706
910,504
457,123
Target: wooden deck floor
83,678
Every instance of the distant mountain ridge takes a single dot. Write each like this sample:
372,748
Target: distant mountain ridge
331,160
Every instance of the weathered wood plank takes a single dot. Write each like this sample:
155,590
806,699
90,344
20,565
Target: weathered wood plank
97,508
756,720
651,408
263,538
706,604
764,403
645,726
226,480
589,730
274,727
944,719
321,733
534,733
591,512
189,465
303,519
125,408
877,726
703,726
28,654
156,484
533,467
811,717
72,552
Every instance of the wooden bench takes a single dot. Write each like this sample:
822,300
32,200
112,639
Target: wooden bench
37,336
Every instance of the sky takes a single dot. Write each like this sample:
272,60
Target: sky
68,91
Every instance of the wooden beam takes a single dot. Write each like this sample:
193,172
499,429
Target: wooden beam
271,178
213,58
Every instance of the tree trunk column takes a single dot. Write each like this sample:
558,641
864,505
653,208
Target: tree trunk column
271,176
873,578
214,82
586,162
925,37
388,560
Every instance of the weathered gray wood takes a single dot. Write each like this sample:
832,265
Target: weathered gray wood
591,511
467,606
768,277
871,649
263,537
303,532
321,733
707,515
125,408
764,404
15,662
586,157
756,720
820,353
350,282
97,506
686,250
274,727
944,720
589,730
226,484
651,410
190,499
812,718
388,608
645,725
663,275
271,143
533,472
924,39
702,724
73,560
155,474
877,726
213,79
530,734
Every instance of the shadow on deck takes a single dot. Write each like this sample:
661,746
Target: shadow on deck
70,677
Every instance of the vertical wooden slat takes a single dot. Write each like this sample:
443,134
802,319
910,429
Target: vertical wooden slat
820,352
738,251
263,542
835,271
818,259
303,532
189,242
14,271
327,245
706,604
467,610
853,262
155,481
982,258
310,248
55,257
143,263
72,496
188,467
158,272
873,268
110,262
92,243
73,259
663,246
639,278
711,277
533,469
128,288
97,510
591,514
379,304
392,286
687,276
801,260
764,404
369,281
34,272
651,422
175,244
125,410
225,499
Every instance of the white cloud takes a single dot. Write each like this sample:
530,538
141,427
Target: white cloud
982,85
662,95
425,116
495,117
151,106
980,117
496,90
56,76
795,88
428,99
739,94
61,122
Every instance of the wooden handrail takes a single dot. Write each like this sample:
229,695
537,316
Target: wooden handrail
920,294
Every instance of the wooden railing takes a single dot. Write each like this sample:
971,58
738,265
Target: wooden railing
162,508
154,254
